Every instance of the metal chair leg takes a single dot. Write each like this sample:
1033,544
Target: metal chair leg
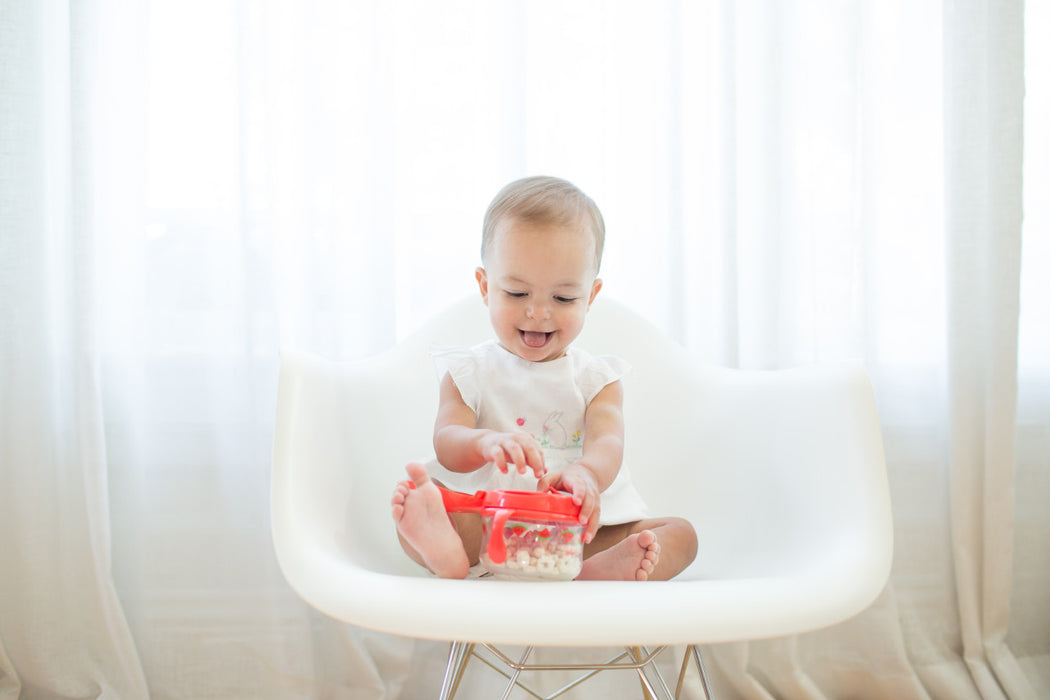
650,690
692,649
458,655
646,694
517,672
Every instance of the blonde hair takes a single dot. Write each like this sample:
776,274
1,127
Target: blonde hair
545,200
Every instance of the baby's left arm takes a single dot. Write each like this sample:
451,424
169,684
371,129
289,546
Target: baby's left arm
601,459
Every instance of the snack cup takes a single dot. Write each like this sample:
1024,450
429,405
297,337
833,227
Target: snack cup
525,535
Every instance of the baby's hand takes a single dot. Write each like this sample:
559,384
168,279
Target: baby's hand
582,484
505,449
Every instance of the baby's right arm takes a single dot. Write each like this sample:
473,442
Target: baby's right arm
463,447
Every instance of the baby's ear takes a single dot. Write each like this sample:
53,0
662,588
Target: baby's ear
483,284
595,288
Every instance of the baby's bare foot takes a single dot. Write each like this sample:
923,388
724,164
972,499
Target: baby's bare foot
631,559
423,523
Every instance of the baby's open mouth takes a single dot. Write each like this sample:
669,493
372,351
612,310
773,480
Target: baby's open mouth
535,339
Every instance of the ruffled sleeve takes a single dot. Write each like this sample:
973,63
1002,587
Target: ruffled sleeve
597,372
462,364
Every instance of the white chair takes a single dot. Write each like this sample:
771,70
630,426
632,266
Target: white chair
781,473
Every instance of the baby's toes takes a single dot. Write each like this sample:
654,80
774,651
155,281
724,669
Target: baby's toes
399,495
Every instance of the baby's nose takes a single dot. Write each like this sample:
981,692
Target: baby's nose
539,311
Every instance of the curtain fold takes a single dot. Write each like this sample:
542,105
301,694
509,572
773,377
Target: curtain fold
62,629
984,111
188,187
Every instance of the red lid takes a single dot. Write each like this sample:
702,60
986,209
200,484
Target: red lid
555,505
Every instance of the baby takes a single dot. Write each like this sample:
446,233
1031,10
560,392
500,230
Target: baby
526,411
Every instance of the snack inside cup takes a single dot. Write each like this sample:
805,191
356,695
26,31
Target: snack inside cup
531,548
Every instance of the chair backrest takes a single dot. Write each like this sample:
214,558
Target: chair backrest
773,468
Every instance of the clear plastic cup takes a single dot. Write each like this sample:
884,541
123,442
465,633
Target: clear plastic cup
532,548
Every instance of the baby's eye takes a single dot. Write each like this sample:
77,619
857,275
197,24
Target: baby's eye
514,295
565,300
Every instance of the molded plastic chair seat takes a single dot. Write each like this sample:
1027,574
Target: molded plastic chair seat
781,473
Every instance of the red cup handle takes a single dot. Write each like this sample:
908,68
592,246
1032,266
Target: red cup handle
497,549
459,502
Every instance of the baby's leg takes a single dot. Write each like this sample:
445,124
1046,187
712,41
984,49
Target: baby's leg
675,542
427,533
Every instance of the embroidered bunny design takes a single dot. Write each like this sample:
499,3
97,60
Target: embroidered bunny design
554,433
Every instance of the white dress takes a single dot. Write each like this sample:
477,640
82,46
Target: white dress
546,400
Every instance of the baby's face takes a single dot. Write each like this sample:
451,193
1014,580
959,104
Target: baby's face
538,282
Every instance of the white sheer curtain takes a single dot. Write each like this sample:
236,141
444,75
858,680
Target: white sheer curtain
187,187
62,630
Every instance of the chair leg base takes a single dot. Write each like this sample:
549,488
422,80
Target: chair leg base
693,652
641,660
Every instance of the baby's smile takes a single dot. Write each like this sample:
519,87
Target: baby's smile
535,339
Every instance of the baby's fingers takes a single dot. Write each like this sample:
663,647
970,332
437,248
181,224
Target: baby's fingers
590,515
497,457
547,481
516,456
592,521
534,458
589,500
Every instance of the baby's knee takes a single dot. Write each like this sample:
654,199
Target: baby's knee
682,532
684,525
